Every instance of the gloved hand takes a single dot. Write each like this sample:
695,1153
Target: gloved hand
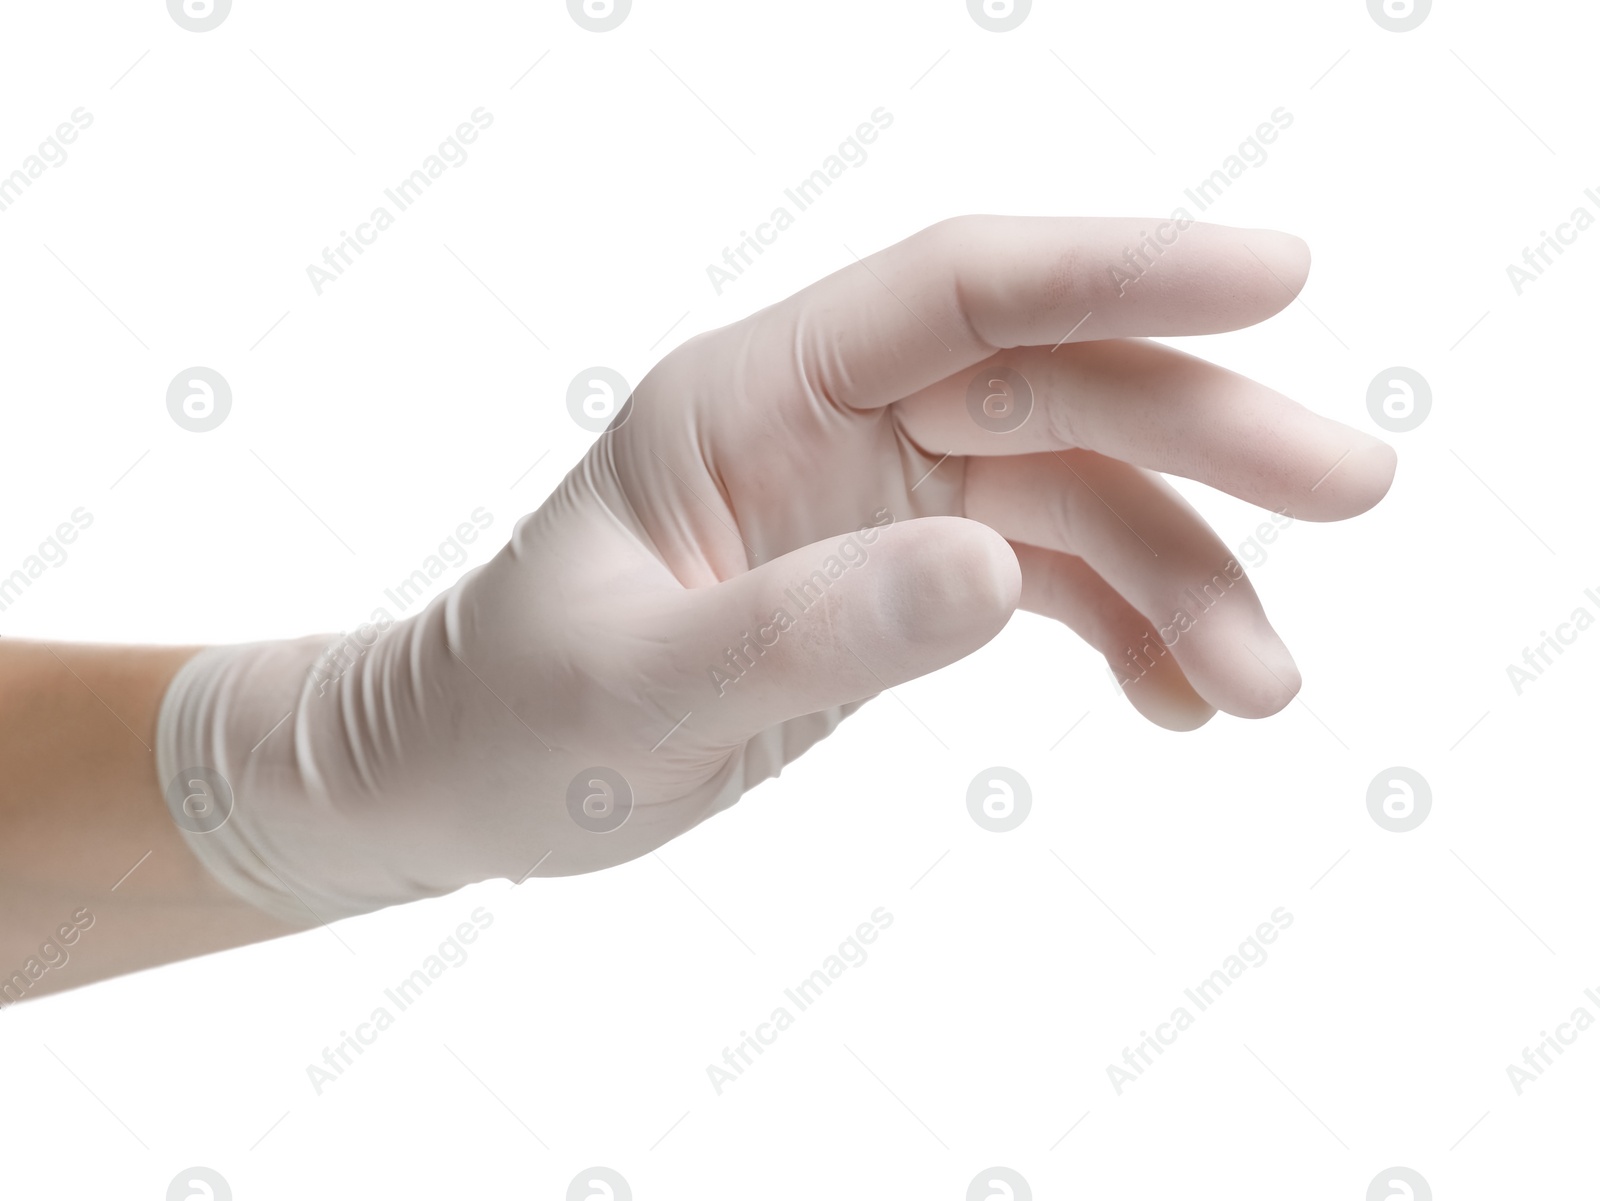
837,494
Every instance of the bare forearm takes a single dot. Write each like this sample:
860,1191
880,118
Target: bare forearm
95,879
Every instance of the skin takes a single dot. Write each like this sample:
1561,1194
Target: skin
79,808
445,753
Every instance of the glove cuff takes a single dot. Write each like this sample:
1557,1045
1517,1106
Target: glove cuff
233,759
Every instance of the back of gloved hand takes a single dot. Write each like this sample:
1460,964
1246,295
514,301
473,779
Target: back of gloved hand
840,493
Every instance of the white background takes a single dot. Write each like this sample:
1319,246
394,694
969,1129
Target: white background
432,376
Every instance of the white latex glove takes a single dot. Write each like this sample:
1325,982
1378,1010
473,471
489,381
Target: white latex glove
588,663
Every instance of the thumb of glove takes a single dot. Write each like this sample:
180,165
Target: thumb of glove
842,620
